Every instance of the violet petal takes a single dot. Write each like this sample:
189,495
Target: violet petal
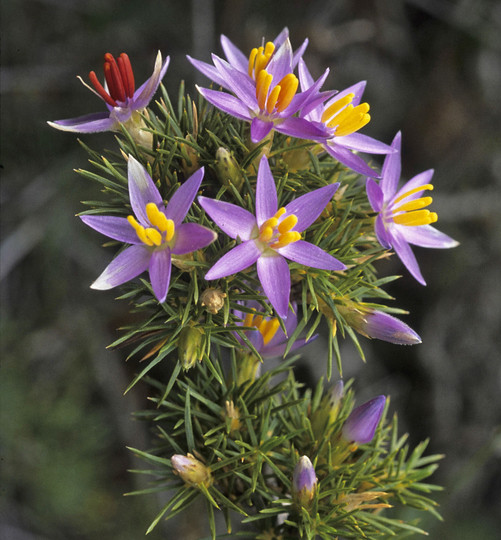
144,94
427,236
266,193
309,206
190,237
374,194
183,198
88,123
234,220
114,227
392,169
405,254
274,275
160,269
259,129
310,255
236,260
234,55
125,266
142,190
226,102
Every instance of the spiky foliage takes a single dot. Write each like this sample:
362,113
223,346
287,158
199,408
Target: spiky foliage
250,431
251,435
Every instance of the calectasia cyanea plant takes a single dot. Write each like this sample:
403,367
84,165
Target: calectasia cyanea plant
241,220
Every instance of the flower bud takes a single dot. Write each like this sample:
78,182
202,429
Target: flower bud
379,325
191,470
232,417
361,425
304,482
190,346
212,299
328,410
227,169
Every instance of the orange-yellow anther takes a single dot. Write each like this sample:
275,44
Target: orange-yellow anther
288,86
259,58
266,234
286,238
267,327
273,98
336,107
263,83
162,230
416,218
140,231
425,187
160,221
287,223
416,204
346,118
154,236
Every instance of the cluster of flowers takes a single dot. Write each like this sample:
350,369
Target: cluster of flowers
263,90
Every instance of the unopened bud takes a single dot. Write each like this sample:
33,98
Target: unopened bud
304,482
378,325
190,346
232,416
362,422
212,299
328,410
189,162
191,470
227,169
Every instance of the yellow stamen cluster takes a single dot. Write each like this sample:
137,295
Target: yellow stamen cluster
412,213
267,327
162,231
259,58
281,94
346,118
277,234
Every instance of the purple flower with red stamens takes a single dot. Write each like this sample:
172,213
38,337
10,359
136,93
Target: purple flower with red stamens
342,116
119,94
264,89
271,236
268,338
156,232
403,218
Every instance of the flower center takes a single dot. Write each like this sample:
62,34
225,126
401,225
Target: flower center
267,327
119,79
277,233
259,58
280,97
412,213
344,118
161,232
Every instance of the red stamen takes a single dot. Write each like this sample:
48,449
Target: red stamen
116,86
129,74
100,90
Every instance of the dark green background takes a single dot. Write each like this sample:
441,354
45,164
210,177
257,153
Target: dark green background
433,70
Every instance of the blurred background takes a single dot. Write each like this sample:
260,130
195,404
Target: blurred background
433,69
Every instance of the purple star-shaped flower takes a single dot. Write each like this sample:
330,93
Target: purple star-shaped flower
268,338
120,96
342,116
403,218
264,89
271,236
237,59
156,232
